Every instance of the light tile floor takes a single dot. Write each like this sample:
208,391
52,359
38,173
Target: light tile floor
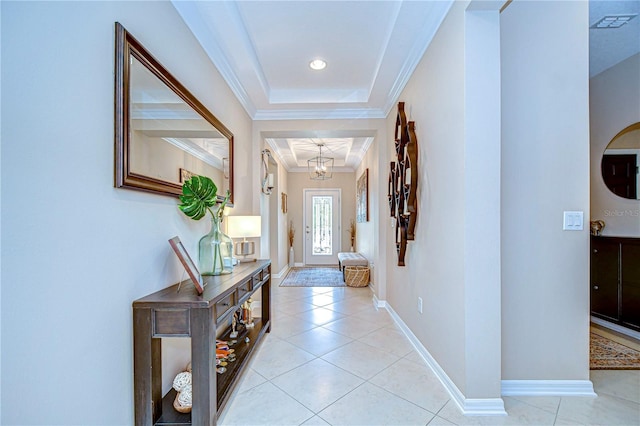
332,358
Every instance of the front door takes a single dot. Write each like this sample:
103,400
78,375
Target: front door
321,226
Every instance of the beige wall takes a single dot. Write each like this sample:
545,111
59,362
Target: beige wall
537,292
434,99
84,250
298,182
545,171
275,243
369,240
614,105
160,159
293,182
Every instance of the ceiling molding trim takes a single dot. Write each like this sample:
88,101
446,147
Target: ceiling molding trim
236,17
335,170
197,152
440,11
276,153
366,145
381,56
318,133
319,114
207,38
359,155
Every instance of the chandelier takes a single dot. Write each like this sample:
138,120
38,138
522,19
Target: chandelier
320,168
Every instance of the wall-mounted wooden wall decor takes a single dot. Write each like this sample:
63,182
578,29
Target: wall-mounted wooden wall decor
403,183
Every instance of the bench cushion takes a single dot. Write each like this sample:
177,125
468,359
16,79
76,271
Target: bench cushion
352,259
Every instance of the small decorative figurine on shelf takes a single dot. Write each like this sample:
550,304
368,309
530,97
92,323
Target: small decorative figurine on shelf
247,316
234,325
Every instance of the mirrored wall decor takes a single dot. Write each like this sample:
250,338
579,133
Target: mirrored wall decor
163,134
621,163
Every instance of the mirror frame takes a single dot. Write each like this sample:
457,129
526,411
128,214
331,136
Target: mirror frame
126,47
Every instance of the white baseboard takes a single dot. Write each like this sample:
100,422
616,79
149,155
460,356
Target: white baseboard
615,327
282,272
377,303
468,406
548,388
299,265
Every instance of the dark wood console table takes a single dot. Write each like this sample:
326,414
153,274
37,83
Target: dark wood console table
169,313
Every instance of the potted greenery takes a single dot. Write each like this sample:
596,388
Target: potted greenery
215,250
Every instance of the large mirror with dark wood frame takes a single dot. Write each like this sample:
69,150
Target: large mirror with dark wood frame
621,163
163,134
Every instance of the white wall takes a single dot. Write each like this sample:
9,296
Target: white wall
545,171
76,251
614,104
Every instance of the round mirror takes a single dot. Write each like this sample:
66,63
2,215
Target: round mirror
620,163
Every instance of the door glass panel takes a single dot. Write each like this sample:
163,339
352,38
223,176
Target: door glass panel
321,225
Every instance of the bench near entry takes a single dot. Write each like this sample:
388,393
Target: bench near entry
351,259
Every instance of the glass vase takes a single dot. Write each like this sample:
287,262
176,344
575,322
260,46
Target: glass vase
215,251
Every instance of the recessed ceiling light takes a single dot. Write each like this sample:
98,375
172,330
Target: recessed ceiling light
613,21
317,64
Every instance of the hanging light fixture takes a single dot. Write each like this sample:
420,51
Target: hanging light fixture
320,168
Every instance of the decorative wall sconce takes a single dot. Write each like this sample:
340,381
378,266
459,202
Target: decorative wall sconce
267,178
403,183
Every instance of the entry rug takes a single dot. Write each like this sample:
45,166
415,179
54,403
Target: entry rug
605,354
313,277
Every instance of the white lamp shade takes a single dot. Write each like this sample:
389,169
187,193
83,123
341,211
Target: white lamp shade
244,226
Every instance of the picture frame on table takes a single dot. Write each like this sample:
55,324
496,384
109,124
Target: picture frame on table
188,263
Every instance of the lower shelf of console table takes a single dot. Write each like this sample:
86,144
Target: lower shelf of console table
225,381
169,313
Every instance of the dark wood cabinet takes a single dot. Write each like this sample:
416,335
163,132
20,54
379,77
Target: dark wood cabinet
615,280
630,292
184,313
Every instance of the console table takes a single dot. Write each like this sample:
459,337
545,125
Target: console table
173,313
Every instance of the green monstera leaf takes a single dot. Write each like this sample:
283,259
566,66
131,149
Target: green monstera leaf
198,196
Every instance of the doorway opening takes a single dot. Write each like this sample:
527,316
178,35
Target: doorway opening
322,226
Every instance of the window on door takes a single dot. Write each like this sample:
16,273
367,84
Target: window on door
322,226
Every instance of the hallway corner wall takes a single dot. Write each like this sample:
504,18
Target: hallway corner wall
434,99
545,171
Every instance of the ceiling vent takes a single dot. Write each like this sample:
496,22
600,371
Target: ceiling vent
613,21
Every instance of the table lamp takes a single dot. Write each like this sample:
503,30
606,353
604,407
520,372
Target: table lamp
244,227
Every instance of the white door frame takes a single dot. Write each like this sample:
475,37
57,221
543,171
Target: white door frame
338,228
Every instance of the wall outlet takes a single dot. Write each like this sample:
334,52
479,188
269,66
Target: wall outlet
420,304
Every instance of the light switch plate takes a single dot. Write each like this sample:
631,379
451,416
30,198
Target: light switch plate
573,221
